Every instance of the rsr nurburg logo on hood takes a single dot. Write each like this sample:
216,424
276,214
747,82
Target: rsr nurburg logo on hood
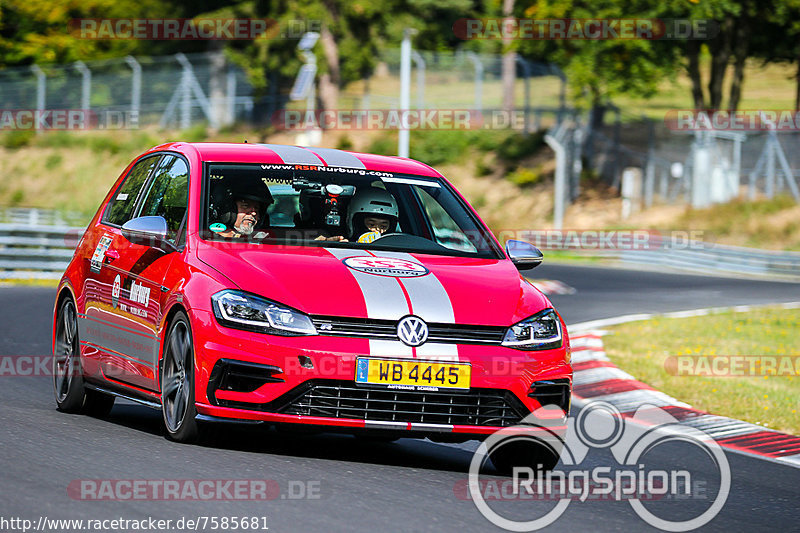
386,266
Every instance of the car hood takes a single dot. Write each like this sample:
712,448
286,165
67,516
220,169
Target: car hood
379,285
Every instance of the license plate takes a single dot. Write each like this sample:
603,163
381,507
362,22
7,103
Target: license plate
412,374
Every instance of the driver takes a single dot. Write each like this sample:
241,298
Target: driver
245,208
372,213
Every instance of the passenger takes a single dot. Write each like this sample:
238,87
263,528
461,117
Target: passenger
372,214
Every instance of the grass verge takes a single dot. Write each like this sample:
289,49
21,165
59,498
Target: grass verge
644,348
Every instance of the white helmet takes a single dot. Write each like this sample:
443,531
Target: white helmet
371,201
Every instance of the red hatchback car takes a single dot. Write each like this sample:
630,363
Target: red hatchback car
288,285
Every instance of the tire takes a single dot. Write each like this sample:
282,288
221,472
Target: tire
177,382
523,453
67,374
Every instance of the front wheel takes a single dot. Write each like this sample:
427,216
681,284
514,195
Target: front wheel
177,382
523,453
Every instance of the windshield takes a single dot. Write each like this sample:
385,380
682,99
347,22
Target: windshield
305,205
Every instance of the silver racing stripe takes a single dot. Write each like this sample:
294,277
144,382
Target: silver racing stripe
384,300
338,158
294,155
429,301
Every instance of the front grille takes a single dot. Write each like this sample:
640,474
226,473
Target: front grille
341,399
387,329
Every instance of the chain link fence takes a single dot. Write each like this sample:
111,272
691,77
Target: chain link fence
168,91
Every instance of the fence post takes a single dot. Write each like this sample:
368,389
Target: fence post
86,83
231,92
770,164
405,92
555,142
136,86
650,167
40,91
476,62
526,69
186,95
420,61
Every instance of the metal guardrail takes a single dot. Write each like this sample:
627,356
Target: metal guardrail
36,251
710,257
42,251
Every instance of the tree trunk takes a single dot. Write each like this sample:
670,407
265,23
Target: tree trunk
720,55
329,81
509,63
693,54
740,50
797,79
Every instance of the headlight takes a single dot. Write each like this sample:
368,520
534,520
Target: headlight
237,309
541,331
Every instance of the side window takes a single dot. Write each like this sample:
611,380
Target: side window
169,194
121,208
445,230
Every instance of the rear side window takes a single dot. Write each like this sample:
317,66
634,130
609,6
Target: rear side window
121,208
169,194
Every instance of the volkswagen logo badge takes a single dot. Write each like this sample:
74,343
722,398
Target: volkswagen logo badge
412,330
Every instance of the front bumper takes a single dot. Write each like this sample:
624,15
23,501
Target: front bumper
311,380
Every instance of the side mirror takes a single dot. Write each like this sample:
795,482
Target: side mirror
523,254
148,231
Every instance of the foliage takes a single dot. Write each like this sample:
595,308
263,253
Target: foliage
17,139
524,177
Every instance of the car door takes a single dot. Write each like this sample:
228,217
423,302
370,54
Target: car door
136,271
102,333
141,269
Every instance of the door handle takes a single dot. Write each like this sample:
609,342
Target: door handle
111,255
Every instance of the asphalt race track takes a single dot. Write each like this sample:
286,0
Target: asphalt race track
355,485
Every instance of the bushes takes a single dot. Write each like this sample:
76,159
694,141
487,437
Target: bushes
18,138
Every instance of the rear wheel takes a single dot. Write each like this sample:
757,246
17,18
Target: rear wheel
71,394
177,382
67,378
